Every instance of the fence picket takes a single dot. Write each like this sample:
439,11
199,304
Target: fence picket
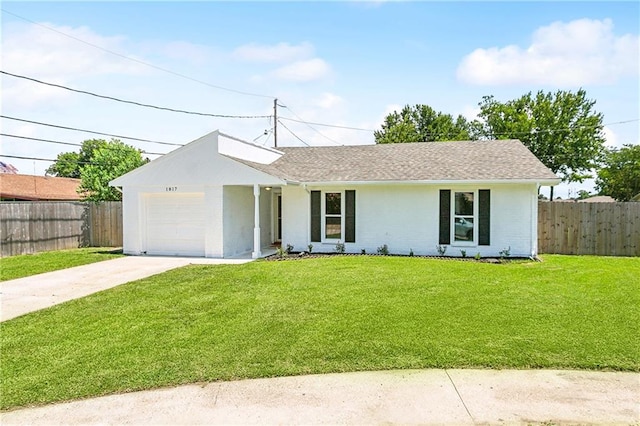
604,229
32,227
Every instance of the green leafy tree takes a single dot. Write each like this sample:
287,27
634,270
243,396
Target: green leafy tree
421,123
107,163
620,175
69,164
583,195
560,128
66,165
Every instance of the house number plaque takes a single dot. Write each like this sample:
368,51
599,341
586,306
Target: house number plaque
171,188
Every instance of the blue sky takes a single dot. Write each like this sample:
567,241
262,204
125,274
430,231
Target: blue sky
340,63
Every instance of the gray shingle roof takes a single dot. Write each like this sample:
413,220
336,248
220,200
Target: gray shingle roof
456,161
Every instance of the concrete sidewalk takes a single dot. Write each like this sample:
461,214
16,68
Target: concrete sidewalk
390,397
36,292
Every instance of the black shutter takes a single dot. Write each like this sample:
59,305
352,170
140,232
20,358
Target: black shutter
316,217
350,217
484,217
445,216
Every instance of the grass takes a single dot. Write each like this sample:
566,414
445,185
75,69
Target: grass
31,264
263,319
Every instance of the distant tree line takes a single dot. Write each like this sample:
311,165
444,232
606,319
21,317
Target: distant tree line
561,129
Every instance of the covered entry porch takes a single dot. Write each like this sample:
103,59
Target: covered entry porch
252,220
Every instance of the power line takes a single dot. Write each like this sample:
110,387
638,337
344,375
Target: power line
294,135
266,141
27,158
240,92
312,128
88,131
66,143
19,157
124,101
323,124
440,134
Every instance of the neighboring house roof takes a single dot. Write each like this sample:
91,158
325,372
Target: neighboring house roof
426,161
33,188
598,199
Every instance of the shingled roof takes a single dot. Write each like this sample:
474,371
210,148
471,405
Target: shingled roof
426,161
32,188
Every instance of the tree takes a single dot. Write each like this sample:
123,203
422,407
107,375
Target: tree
561,129
69,164
66,165
620,175
108,162
421,123
583,195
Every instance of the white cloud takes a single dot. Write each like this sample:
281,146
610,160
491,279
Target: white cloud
32,48
611,139
194,53
388,110
303,71
37,52
26,94
278,53
576,53
329,101
470,112
377,123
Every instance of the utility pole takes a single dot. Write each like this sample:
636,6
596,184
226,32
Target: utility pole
275,123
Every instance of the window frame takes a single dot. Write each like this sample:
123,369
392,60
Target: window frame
324,215
475,217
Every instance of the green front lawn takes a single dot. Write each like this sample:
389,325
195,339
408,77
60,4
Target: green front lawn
31,264
262,319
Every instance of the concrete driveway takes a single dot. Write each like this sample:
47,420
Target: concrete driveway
461,397
29,294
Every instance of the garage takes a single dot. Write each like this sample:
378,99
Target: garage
175,224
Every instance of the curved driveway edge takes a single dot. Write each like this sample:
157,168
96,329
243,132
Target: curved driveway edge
388,397
36,292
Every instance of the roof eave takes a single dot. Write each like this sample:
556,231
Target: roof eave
542,182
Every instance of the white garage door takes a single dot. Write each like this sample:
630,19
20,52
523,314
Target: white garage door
175,224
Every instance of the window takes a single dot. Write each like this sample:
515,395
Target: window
333,216
466,215
463,217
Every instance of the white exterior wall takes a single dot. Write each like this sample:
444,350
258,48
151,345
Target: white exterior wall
406,217
238,220
214,205
131,222
295,218
514,219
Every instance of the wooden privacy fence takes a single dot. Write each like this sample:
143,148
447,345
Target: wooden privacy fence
609,229
31,227
606,229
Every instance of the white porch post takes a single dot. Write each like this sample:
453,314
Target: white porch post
256,227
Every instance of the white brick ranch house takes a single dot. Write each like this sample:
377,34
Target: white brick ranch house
219,196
